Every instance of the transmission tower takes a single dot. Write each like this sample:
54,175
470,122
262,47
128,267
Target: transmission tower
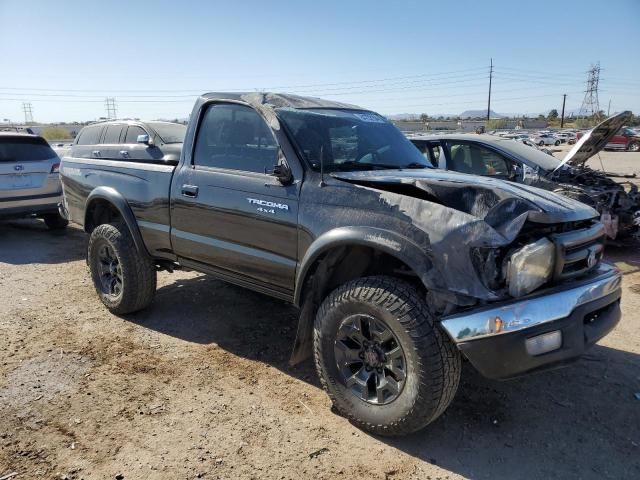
110,105
28,112
590,105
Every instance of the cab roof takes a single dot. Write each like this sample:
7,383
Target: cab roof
276,100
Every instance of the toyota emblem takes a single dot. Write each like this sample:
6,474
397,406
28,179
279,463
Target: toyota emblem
18,168
592,259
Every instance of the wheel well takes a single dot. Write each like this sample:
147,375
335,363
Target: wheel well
100,211
342,264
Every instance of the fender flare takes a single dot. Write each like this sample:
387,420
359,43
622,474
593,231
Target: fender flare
115,198
387,241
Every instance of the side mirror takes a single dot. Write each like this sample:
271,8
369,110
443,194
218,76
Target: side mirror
281,170
144,139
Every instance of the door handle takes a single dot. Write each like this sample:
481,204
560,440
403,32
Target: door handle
124,153
96,153
190,191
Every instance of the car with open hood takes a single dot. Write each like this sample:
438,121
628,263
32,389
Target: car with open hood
399,270
617,200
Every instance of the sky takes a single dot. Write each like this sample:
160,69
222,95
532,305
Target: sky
154,57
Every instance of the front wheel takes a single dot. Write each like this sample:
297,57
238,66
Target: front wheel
384,362
634,147
557,143
541,143
124,279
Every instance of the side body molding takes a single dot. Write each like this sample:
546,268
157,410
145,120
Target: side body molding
115,198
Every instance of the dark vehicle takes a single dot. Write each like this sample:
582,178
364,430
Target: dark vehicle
493,156
29,181
399,270
131,140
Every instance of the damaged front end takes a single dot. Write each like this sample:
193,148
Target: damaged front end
490,240
617,202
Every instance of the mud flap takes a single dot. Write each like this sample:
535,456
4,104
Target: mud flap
303,346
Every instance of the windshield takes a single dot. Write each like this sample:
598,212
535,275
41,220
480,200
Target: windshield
24,149
350,140
170,132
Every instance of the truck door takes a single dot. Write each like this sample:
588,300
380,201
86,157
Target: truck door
228,214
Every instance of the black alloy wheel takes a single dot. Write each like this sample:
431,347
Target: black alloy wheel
370,359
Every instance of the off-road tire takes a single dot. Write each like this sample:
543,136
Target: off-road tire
138,271
433,363
634,147
54,221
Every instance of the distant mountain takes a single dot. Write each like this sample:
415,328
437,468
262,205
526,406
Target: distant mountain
480,114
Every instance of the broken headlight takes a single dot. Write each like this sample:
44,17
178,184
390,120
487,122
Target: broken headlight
530,267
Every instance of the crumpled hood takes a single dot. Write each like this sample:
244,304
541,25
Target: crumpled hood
482,197
461,214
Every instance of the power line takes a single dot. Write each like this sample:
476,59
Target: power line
110,105
28,112
591,102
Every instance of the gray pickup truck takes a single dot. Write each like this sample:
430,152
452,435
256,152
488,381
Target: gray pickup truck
400,270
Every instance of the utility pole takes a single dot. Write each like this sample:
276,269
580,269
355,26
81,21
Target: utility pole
110,105
564,100
28,112
489,101
609,108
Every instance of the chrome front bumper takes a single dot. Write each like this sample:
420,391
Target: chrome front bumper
536,309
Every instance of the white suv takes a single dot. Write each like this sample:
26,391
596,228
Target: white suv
29,179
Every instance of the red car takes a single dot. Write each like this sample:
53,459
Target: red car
625,139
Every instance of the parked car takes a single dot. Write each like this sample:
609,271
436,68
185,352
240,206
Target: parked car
399,270
492,156
154,142
626,139
545,139
29,181
566,137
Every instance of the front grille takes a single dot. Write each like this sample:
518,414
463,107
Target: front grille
578,251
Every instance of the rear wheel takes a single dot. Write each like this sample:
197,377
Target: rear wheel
124,280
54,221
384,362
634,147
541,143
557,143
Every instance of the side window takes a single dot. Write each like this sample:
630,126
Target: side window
112,134
478,160
436,155
430,151
132,134
235,137
90,135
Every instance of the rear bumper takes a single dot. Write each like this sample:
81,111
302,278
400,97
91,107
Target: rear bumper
29,205
494,339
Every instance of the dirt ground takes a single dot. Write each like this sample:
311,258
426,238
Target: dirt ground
198,386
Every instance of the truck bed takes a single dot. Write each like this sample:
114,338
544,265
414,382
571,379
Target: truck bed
146,187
